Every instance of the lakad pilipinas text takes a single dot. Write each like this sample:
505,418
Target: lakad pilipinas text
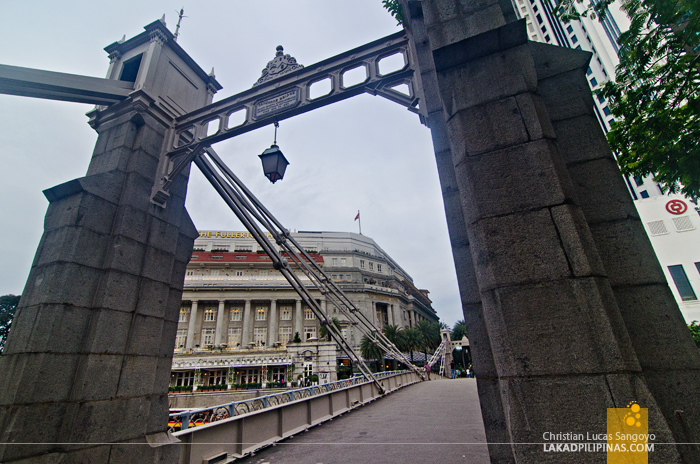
627,439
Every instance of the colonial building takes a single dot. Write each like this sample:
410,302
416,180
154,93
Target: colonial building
240,317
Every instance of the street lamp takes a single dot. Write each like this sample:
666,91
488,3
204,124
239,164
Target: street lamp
273,161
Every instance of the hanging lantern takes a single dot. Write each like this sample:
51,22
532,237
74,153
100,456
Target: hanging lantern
274,163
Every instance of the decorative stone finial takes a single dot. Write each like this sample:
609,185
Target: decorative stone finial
211,74
162,20
282,64
122,40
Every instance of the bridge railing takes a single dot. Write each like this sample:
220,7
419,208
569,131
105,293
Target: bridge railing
186,418
233,430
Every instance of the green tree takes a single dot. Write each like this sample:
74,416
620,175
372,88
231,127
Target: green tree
394,8
413,340
655,96
430,332
8,306
395,334
370,351
297,338
459,330
695,331
323,330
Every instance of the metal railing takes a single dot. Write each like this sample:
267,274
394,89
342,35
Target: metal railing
184,419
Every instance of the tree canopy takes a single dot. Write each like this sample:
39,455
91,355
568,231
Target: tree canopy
654,97
8,306
459,330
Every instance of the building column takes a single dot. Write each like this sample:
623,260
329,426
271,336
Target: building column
298,321
272,324
390,314
323,307
247,326
189,344
219,323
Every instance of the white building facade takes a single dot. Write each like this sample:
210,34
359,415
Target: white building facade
673,225
239,317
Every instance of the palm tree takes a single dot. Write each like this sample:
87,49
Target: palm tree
323,330
370,351
414,340
395,334
430,331
459,330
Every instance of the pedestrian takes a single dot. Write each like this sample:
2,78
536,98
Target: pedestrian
468,373
427,370
452,369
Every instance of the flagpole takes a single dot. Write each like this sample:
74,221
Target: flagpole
359,221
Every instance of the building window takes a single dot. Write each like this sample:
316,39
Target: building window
236,314
190,273
309,332
261,313
371,266
278,373
362,264
285,313
334,277
334,262
348,277
594,82
570,30
697,266
589,71
209,315
341,277
379,268
606,110
578,47
183,379
574,39
214,377
285,335
263,273
208,336
683,223
539,19
309,315
181,338
259,336
234,337
546,38
183,314
343,261
644,194
682,283
344,332
239,273
601,98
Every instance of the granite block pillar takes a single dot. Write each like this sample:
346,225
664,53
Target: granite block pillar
668,356
559,346
88,359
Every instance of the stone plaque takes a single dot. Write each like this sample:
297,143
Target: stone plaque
276,103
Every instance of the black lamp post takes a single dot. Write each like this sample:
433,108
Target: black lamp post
273,161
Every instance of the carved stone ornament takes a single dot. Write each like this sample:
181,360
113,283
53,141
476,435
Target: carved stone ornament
282,64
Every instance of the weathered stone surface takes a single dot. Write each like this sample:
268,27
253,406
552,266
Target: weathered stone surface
626,253
521,178
517,249
490,78
526,321
577,241
601,187
581,139
567,95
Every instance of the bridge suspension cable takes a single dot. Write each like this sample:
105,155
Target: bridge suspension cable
255,217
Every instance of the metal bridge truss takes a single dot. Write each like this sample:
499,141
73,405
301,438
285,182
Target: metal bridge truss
255,217
440,353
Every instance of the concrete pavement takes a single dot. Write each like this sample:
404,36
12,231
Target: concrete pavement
417,424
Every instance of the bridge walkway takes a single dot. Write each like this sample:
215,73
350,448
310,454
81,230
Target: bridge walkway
412,425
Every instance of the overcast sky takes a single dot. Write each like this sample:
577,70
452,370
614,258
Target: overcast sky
364,153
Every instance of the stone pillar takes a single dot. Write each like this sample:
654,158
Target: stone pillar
668,356
191,326
323,307
272,325
247,332
535,255
298,321
218,335
89,355
390,315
